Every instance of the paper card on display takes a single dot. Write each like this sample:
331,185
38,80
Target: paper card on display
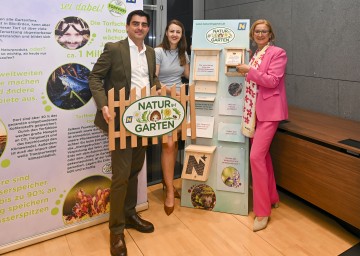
204,127
233,58
230,106
206,68
230,169
230,132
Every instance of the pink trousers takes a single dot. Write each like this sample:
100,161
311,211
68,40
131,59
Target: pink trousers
263,180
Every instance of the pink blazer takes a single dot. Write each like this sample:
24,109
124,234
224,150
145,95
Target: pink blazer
271,103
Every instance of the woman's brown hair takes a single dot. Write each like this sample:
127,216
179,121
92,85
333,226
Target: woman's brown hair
182,45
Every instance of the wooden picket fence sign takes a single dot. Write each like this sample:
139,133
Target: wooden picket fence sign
122,103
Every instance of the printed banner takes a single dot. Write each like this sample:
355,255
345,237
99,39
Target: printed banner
54,163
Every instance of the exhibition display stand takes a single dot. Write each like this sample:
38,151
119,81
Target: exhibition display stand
215,171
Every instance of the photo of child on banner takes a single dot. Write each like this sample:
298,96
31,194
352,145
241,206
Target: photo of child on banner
72,33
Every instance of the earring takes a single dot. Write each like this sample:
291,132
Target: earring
253,43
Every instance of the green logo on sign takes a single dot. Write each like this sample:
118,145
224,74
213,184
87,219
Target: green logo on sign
153,116
117,8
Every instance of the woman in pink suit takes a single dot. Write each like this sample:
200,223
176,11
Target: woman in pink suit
266,72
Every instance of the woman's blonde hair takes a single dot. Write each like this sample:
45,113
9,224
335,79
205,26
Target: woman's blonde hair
267,23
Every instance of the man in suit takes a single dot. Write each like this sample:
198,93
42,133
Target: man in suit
125,64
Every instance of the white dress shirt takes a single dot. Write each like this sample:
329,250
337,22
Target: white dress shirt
139,69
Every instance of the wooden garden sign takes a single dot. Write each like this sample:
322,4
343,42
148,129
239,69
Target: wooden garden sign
152,116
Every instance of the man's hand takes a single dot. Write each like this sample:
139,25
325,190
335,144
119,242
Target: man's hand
106,114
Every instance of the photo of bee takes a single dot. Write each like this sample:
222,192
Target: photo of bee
231,177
